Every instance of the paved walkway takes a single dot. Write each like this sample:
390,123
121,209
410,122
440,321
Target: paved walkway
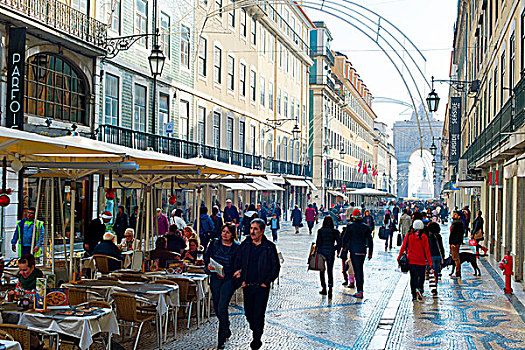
471,313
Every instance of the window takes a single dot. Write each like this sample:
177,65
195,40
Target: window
80,5
201,125
495,89
111,110
252,138
262,90
263,41
512,63
502,83
217,130
141,19
489,102
242,140
202,56
115,17
272,47
185,47
242,79
164,113
231,15
522,42
229,133
285,108
165,37
279,100
253,86
280,54
217,57
270,95
285,149
231,73
254,31
184,126
243,22
139,116
218,6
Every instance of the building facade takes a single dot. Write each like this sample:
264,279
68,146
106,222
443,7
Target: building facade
484,168
341,122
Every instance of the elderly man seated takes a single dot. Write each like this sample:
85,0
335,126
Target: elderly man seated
162,253
28,272
107,247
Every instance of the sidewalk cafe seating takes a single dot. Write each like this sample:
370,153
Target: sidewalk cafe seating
19,333
187,295
102,263
128,277
130,309
77,296
171,308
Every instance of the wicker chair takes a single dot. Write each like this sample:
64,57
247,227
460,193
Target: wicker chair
19,333
128,277
129,310
187,295
108,278
77,296
102,263
6,336
98,303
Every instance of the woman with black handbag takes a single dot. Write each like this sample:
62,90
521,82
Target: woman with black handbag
415,246
477,233
328,242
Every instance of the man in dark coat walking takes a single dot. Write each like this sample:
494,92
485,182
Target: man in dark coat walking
456,240
357,239
121,223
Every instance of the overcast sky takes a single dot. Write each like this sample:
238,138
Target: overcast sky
428,24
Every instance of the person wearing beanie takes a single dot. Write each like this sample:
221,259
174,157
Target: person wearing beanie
357,240
108,247
95,230
417,249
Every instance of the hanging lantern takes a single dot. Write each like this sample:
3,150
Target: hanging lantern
110,194
4,200
172,200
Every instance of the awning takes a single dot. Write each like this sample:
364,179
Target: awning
469,183
297,183
371,192
238,186
261,184
338,194
279,180
312,186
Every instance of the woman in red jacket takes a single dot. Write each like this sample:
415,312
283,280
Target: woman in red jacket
418,253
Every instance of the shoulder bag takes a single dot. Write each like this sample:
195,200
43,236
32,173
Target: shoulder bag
403,260
382,233
316,261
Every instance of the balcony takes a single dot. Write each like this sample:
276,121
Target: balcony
57,18
497,132
322,80
324,51
187,149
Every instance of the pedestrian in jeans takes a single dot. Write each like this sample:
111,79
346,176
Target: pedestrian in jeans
328,242
257,265
274,226
389,225
223,250
417,249
456,240
357,239
437,251
309,214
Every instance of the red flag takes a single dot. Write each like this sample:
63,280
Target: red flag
365,170
360,165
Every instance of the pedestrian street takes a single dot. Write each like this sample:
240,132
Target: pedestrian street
471,313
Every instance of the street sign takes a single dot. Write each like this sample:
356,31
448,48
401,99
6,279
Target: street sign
168,128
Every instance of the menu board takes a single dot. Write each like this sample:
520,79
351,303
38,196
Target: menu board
40,294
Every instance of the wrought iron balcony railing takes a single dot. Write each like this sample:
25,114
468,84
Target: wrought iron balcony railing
188,149
61,17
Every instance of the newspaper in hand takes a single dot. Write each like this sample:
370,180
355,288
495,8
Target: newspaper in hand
214,266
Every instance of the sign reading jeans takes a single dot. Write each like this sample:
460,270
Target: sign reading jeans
454,128
15,78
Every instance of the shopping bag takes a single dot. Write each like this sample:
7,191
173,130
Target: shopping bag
472,242
399,240
316,261
382,233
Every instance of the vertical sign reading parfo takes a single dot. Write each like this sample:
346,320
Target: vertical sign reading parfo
454,130
15,78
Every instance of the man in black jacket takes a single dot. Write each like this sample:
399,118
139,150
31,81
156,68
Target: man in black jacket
456,240
256,267
121,223
95,230
357,239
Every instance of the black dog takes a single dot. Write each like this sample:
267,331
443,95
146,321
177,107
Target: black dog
463,257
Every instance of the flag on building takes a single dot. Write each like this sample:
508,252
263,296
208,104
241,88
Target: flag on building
360,165
365,170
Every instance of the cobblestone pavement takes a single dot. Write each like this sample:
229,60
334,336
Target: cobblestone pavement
471,313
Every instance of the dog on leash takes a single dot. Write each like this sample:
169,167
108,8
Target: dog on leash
463,257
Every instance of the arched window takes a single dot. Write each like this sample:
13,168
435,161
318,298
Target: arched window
55,89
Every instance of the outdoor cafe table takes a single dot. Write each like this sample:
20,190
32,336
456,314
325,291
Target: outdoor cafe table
10,345
81,327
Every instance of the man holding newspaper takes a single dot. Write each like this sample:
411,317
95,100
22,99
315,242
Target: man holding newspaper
218,260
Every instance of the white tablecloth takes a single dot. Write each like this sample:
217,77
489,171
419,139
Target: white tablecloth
200,279
11,345
79,327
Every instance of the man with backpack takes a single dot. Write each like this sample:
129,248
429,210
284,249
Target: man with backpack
206,227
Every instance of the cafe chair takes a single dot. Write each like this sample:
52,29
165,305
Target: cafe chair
173,309
102,263
188,296
130,310
107,278
77,296
6,336
96,303
20,334
129,277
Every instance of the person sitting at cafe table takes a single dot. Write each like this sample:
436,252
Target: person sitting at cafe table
193,250
188,233
162,253
128,241
107,247
28,272
175,241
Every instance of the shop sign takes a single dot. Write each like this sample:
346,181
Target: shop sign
454,127
15,78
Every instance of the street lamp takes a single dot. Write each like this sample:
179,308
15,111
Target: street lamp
156,61
433,149
433,101
296,132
